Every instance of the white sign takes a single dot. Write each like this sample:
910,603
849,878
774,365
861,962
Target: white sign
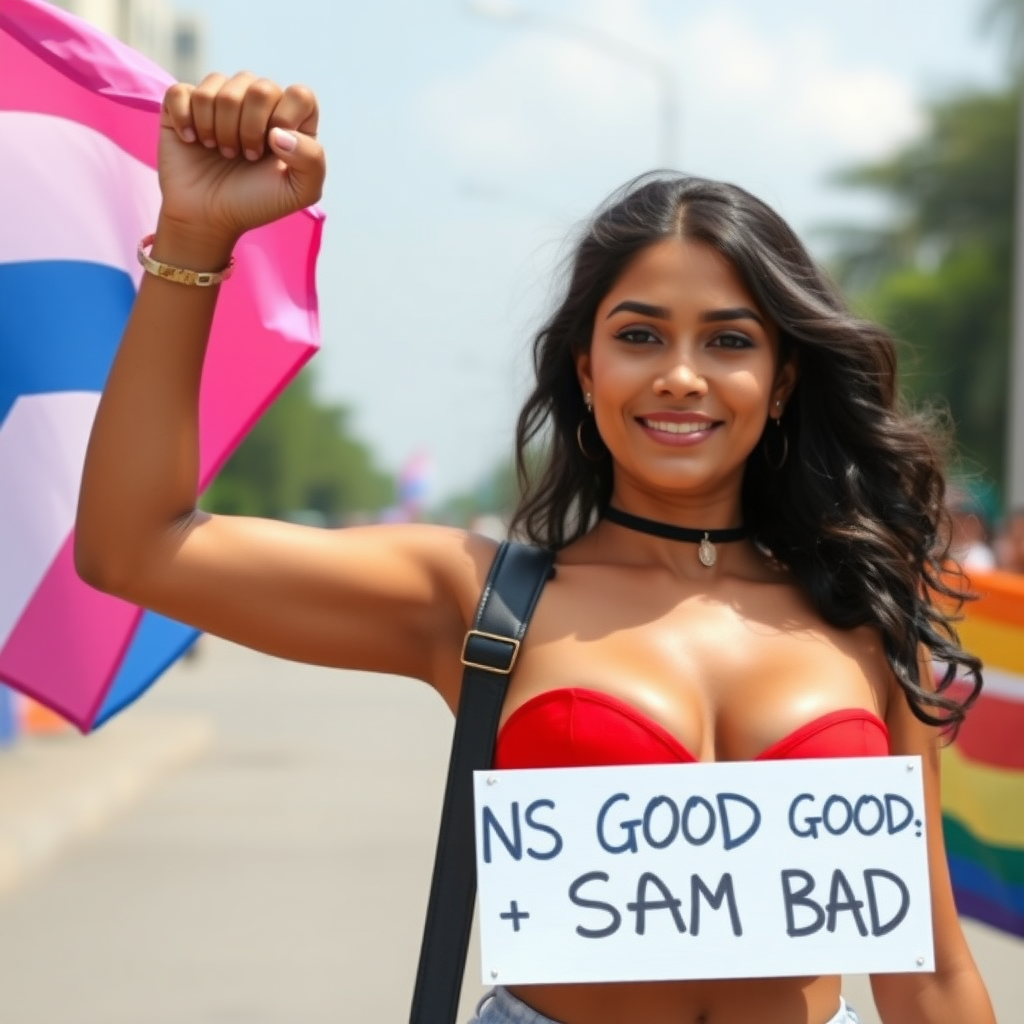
725,870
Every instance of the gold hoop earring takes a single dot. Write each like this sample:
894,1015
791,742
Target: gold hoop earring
582,448
773,464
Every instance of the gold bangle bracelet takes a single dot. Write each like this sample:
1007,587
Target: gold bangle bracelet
180,275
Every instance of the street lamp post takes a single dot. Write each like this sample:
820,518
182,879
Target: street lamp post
607,44
1015,414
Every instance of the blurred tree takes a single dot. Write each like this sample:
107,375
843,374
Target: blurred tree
300,458
496,494
939,274
954,185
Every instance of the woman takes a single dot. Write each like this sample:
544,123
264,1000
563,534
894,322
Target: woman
700,379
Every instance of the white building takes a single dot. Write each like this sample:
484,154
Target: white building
172,39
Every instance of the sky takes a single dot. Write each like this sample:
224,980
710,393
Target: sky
463,150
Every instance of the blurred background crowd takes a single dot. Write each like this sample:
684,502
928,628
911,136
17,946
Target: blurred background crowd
979,545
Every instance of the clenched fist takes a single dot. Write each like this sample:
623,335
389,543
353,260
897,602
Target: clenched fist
236,153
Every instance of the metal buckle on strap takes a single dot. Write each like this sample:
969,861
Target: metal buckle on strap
514,644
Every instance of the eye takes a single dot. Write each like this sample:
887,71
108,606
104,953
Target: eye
637,336
733,340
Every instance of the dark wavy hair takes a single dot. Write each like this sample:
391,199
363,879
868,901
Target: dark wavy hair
857,511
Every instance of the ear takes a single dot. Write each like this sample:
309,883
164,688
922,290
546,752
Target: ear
583,372
785,380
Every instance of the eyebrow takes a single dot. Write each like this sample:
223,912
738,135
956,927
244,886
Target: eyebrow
662,313
655,312
737,313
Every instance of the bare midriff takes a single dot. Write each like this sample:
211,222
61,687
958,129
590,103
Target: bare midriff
732,1001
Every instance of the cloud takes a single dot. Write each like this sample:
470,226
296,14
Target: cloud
515,106
862,111
796,88
476,113
722,52
546,96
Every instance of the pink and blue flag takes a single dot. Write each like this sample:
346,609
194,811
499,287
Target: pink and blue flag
78,188
414,480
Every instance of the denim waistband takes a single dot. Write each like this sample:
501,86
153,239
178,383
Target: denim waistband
499,1006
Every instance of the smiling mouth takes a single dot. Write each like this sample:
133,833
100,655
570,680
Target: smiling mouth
670,427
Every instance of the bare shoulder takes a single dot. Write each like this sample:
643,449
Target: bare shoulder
908,734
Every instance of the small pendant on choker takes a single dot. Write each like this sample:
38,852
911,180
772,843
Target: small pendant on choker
704,539
706,552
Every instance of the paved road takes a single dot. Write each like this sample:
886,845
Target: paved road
273,870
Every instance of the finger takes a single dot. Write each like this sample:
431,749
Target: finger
304,158
261,99
228,113
297,109
176,111
204,97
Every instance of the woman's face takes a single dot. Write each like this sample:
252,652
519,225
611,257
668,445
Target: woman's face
683,371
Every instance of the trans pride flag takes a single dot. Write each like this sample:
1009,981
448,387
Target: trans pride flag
983,771
78,189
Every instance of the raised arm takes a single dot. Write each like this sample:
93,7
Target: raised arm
955,991
234,154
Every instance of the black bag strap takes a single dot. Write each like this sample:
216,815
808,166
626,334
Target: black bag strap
489,653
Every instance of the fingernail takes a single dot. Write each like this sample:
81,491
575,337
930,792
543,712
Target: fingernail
228,153
283,140
251,154
188,135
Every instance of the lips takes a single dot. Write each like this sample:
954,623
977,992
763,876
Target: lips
678,430
673,426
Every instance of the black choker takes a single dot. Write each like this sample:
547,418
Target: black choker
707,539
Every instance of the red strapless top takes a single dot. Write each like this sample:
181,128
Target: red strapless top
579,728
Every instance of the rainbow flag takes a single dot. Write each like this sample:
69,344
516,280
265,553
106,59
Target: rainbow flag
983,771
78,189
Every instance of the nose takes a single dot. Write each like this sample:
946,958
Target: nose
680,379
